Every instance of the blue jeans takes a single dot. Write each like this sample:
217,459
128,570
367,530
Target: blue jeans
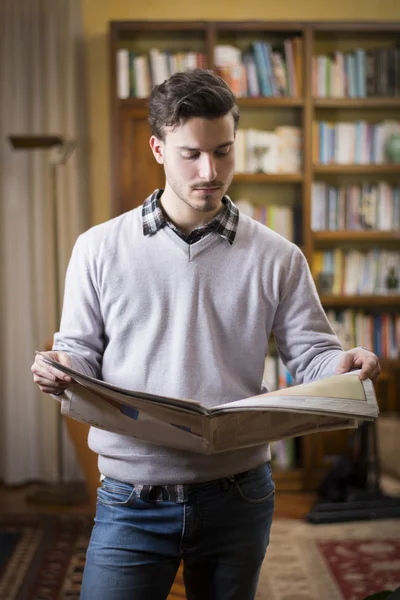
221,533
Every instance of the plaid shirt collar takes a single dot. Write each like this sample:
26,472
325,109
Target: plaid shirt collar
225,222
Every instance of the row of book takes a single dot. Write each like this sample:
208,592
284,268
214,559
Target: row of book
357,142
357,74
264,69
137,73
278,151
355,207
354,272
282,219
268,70
276,376
380,333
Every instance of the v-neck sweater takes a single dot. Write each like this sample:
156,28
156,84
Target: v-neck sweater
155,314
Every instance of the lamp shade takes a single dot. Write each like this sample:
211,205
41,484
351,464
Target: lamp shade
32,142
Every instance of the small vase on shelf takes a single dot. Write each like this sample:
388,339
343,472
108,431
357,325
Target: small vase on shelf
392,281
392,148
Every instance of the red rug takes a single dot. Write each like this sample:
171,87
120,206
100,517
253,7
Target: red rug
348,561
363,565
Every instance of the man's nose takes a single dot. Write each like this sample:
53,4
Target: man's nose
208,169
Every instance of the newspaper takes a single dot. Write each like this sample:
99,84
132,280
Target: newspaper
335,402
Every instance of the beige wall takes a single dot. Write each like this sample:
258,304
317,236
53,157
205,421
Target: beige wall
97,13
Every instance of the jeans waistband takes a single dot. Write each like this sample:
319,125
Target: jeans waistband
179,492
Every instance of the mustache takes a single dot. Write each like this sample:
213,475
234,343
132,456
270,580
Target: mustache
205,186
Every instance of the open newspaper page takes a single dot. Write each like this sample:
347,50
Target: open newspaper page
335,402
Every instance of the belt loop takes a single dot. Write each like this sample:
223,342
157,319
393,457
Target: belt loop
226,482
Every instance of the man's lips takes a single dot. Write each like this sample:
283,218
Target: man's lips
207,188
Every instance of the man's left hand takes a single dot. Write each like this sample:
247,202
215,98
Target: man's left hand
360,358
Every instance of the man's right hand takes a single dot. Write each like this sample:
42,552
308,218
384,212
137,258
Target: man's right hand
49,379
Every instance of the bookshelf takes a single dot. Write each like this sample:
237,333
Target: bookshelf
134,173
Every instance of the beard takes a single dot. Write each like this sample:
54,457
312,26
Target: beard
201,201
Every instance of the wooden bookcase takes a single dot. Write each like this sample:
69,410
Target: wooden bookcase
135,174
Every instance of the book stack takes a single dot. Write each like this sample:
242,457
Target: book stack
263,69
355,142
355,207
380,333
356,272
357,74
137,73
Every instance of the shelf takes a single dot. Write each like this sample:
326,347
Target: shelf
133,102
334,169
356,236
259,26
268,178
263,102
257,102
389,363
361,301
356,102
353,27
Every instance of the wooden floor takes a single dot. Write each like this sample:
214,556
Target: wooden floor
15,501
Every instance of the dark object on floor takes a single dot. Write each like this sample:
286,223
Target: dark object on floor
351,490
42,557
386,595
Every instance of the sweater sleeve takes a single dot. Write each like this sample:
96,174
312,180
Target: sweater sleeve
305,339
81,332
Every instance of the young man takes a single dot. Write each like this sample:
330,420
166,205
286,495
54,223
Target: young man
179,297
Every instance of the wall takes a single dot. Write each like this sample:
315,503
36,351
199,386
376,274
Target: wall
97,14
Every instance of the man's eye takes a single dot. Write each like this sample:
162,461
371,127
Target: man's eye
222,153
190,156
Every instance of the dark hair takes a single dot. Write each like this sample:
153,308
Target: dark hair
197,93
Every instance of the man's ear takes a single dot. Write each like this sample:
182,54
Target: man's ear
157,147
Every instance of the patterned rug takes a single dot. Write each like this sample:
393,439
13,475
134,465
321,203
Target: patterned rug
346,561
42,559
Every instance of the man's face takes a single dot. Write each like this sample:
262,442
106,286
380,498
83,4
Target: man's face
198,159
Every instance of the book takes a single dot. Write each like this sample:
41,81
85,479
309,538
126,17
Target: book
334,402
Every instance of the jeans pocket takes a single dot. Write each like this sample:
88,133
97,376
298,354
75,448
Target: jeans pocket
115,493
256,486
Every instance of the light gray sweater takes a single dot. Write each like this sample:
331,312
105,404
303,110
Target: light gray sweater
154,314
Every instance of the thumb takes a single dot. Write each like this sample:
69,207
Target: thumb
64,359
345,363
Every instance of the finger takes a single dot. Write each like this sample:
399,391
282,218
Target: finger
54,386
369,367
47,390
44,367
64,359
345,363
48,374
376,374
50,368
39,371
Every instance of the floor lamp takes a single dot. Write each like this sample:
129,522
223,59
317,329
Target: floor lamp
60,492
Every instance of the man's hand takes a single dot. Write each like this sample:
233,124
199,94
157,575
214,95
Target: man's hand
49,379
360,358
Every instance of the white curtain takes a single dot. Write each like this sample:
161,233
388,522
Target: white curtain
42,91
